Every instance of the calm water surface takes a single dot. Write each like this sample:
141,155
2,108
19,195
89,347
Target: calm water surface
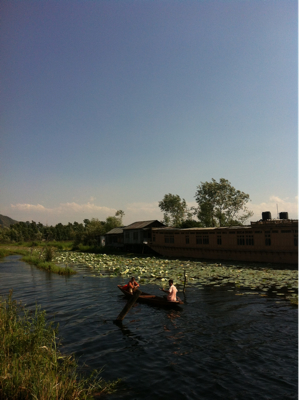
217,346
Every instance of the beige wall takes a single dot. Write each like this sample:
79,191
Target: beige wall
244,243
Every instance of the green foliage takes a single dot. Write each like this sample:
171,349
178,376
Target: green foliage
190,223
91,235
174,208
48,253
112,222
120,214
39,262
220,204
88,233
4,253
93,229
36,232
32,367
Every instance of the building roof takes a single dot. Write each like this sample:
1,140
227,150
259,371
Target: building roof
142,224
218,227
170,228
204,229
115,231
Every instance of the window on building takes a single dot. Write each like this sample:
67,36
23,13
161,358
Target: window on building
249,240
169,239
296,239
205,239
135,235
267,239
202,239
187,239
127,235
154,238
219,239
198,239
240,240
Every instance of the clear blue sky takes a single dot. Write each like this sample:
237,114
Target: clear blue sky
109,105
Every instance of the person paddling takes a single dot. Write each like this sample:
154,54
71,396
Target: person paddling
171,292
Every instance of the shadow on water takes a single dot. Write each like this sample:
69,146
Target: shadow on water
217,346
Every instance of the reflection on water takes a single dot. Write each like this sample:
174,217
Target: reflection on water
217,346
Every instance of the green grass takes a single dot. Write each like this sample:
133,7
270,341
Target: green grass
37,260
64,246
4,252
31,365
48,265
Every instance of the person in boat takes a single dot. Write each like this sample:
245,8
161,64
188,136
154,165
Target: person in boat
132,285
171,292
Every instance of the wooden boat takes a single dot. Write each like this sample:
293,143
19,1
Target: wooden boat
151,299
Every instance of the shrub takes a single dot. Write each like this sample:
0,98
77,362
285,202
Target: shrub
49,254
32,367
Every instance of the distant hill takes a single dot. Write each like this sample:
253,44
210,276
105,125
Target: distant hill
5,222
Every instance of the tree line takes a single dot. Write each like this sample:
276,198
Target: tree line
87,233
218,204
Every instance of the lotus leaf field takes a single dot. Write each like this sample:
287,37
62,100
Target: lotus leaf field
257,279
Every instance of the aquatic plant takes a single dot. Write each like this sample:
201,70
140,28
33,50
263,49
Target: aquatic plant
259,278
36,257
31,365
48,253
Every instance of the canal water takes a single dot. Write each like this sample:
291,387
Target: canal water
217,346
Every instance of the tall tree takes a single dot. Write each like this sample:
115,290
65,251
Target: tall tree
112,222
220,204
120,214
174,208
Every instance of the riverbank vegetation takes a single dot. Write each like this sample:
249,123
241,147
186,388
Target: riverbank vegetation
48,265
31,364
39,257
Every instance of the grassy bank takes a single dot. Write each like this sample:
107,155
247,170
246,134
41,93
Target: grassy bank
31,365
48,265
4,252
39,257
66,245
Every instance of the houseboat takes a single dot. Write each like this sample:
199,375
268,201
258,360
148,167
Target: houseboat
268,240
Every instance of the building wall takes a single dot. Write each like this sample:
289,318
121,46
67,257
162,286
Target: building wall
275,242
115,240
133,236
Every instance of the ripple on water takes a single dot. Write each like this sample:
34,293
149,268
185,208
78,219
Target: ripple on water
218,346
